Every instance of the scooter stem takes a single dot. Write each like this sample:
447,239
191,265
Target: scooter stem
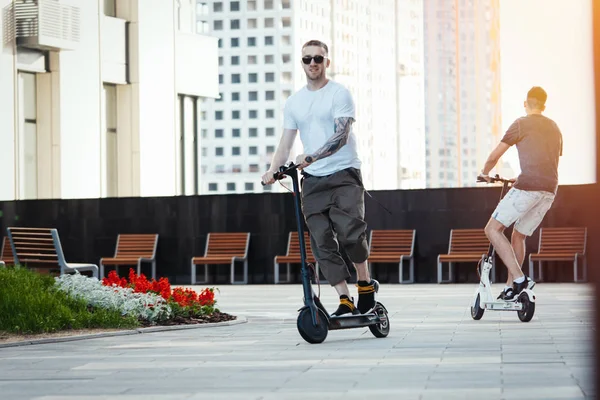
306,284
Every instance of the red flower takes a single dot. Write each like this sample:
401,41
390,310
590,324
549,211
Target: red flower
140,284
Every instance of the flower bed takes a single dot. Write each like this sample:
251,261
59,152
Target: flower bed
32,304
152,302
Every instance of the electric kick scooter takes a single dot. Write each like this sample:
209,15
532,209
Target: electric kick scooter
313,319
483,298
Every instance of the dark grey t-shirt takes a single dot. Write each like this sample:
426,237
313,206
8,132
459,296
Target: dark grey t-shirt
539,144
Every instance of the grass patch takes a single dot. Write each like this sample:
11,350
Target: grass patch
30,303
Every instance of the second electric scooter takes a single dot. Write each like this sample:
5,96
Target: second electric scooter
314,321
483,299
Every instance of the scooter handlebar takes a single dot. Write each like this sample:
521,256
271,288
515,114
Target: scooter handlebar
494,179
283,169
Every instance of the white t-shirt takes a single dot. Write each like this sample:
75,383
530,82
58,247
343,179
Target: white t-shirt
313,113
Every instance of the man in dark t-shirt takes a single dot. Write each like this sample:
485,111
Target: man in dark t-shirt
539,144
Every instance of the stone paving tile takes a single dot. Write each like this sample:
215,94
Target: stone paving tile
434,351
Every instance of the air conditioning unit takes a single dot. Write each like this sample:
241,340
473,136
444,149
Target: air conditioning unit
42,24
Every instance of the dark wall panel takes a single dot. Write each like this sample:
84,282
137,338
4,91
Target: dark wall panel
89,227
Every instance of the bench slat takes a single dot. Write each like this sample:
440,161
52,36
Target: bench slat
292,255
221,247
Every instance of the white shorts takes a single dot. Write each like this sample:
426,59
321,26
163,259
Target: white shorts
526,208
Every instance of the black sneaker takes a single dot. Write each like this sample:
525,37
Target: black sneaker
346,307
504,293
518,288
366,295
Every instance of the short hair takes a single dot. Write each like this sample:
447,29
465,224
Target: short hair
316,43
536,97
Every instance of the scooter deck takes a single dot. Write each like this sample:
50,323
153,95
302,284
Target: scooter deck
353,321
503,306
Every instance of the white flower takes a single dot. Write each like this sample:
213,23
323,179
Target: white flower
148,306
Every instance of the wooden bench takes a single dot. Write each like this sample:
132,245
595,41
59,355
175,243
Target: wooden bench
466,245
6,253
561,244
41,248
133,250
292,255
224,248
393,246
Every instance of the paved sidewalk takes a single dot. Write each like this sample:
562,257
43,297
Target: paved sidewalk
434,351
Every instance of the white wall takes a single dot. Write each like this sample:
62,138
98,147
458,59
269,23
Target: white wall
550,44
80,122
197,65
114,50
154,82
7,127
70,136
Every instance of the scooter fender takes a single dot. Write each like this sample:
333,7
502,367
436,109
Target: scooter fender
529,293
382,306
482,296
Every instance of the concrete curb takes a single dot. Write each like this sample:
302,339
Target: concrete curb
150,329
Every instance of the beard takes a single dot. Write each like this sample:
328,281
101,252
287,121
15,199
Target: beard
315,75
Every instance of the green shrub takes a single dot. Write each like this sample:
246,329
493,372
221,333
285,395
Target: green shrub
30,303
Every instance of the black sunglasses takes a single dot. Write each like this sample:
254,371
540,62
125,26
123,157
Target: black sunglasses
307,59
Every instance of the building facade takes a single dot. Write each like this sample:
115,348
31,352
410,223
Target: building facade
410,92
259,68
462,88
108,104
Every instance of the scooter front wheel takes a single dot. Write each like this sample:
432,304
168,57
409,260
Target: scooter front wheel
382,329
476,310
309,332
526,313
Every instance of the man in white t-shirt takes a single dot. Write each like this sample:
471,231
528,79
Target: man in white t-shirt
332,189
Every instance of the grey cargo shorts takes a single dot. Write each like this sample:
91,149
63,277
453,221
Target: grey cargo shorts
334,211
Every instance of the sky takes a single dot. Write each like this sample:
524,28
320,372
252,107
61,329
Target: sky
548,43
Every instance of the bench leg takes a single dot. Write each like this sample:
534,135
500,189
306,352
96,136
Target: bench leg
411,271
450,272
101,270
194,279
205,273
276,272
583,272
153,269
531,269
243,281
193,273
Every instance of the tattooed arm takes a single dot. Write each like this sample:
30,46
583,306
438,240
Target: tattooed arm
343,126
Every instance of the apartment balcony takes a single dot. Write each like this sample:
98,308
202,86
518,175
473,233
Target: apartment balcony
42,24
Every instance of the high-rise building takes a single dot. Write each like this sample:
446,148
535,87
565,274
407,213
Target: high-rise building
259,68
410,100
462,88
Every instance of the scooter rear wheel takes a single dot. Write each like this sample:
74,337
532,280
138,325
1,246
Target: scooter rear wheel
383,329
312,334
476,311
526,313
